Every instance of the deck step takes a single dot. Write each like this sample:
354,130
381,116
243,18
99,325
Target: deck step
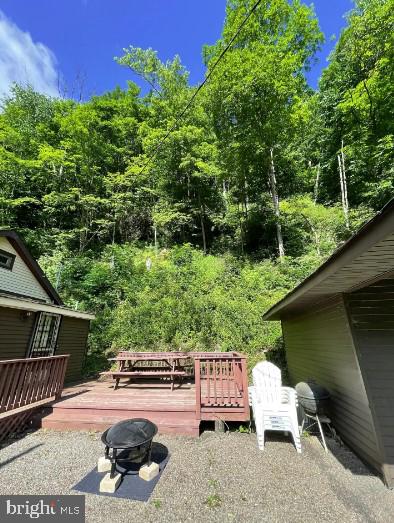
144,404
180,423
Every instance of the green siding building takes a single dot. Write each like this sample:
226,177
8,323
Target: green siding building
338,328
33,319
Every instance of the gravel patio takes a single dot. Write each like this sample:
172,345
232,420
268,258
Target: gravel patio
216,478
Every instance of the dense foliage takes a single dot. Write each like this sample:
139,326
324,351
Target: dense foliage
257,183
175,299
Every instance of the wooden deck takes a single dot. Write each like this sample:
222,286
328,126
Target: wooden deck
217,389
95,405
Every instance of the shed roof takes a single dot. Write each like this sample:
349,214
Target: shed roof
367,256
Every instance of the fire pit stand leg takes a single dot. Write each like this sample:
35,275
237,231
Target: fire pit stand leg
148,461
113,463
322,433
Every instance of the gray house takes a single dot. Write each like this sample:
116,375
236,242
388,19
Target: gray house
338,328
33,320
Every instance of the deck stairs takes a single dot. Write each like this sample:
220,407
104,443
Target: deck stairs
96,406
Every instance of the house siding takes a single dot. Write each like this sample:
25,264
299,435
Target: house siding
20,280
319,345
372,317
15,333
72,340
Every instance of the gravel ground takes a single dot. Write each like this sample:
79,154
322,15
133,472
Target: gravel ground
216,478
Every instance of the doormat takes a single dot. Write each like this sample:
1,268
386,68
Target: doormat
131,486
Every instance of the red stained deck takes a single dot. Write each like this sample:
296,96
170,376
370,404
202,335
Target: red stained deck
219,392
95,405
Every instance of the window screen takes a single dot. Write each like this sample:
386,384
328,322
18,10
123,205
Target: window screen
6,260
45,335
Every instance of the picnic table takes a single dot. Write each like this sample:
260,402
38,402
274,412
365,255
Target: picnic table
168,365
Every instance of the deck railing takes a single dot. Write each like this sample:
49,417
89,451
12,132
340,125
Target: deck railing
221,382
27,383
221,385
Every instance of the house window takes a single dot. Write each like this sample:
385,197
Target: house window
45,335
6,260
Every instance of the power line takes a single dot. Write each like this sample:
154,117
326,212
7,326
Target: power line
192,98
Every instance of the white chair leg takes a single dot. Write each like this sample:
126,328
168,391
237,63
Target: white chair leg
297,442
260,434
259,429
260,441
296,435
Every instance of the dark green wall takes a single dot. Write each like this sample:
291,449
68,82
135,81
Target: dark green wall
72,340
372,317
319,345
16,330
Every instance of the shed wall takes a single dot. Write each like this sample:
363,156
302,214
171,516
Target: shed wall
15,333
319,345
372,316
20,280
72,340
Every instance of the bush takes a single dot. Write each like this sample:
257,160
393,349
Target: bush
175,299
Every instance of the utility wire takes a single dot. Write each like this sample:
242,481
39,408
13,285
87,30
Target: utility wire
190,102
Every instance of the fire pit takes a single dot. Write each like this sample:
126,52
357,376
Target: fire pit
133,438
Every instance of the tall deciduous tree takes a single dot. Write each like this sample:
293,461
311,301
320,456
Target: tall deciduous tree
255,93
355,105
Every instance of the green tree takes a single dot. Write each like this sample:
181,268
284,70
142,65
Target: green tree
355,106
255,95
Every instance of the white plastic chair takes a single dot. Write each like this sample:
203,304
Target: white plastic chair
274,407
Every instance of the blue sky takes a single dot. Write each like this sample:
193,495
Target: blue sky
42,40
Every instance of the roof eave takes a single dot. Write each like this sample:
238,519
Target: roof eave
35,306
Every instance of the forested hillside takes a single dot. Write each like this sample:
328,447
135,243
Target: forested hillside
183,238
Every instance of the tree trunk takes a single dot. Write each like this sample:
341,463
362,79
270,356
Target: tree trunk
225,195
342,177
202,213
155,237
241,230
246,197
315,234
58,275
316,188
275,201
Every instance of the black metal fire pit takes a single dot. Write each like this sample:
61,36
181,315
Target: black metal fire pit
133,437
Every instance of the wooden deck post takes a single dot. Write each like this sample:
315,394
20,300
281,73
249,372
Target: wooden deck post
197,381
245,386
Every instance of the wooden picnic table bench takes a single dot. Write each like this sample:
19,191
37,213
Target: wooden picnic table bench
127,366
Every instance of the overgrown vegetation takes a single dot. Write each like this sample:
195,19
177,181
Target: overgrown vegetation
175,299
187,249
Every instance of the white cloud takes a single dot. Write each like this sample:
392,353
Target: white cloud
24,61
